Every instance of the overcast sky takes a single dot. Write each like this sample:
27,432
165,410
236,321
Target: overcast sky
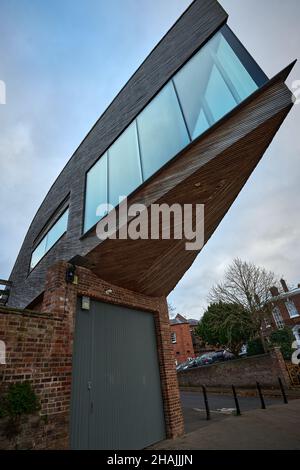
64,61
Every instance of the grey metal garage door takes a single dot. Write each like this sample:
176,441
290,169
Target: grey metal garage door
116,395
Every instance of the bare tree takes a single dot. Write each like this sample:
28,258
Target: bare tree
247,285
172,310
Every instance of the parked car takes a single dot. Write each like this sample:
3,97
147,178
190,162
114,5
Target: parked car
203,360
191,363
185,365
222,355
228,356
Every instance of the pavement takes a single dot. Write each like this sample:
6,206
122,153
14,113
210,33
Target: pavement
277,427
194,409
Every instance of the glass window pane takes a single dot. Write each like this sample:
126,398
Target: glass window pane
96,192
124,165
57,230
38,253
218,95
243,82
191,82
211,84
162,131
201,124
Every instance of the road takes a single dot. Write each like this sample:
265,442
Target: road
194,409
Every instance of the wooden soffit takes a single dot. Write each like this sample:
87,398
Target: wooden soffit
212,171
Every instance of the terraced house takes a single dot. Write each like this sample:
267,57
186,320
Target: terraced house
188,127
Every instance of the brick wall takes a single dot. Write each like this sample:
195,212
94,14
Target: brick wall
183,348
243,373
39,349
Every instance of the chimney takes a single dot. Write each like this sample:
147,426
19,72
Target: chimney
274,291
284,286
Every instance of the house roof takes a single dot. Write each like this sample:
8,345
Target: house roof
179,319
286,295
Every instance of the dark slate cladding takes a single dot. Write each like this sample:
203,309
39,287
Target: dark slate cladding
198,23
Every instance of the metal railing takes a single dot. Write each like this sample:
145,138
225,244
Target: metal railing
236,398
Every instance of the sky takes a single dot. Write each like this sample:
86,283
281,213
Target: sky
64,61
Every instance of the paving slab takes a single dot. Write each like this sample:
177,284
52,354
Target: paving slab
276,428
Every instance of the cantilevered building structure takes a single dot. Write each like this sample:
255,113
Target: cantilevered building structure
188,127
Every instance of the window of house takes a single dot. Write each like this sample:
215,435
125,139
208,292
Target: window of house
213,82
278,318
96,192
50,238
291,308
173,337
162,130
124,171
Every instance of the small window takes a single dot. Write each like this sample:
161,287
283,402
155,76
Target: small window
173,337
51,237
278,318
291,308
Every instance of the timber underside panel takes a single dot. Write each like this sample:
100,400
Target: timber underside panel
155,266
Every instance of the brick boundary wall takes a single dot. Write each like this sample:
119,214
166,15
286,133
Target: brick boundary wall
243,373
38,349
40,345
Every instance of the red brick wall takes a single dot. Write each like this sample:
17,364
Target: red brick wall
183,348
39,349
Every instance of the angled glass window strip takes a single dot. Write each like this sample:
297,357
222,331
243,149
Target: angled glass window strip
212,83
162,131
218,96
96,192
124,171
38,253
57,230
51,237
231,65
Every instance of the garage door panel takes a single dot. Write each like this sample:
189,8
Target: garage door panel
80,400
126,401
